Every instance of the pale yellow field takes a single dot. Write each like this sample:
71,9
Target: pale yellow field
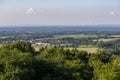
4,37
1,45
107,40
36,47
89,50
75,36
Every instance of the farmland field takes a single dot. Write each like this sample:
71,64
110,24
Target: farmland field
89,50
76,36
1,45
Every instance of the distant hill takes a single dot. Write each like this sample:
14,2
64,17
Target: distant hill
62,28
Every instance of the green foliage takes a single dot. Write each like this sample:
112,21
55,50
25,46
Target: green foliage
53,63
15,65
21,46
70,65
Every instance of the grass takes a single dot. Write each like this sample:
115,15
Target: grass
111,39
3,37
1,45
116,36
107,40
36,47
76,36
89,50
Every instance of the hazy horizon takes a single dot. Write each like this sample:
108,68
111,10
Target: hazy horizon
59,12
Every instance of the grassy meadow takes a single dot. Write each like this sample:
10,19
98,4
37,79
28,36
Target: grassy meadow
76,36
89,50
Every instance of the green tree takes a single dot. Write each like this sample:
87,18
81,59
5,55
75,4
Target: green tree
16,65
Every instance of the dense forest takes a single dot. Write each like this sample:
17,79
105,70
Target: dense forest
20,61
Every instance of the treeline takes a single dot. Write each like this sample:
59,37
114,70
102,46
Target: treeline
20,61
111,47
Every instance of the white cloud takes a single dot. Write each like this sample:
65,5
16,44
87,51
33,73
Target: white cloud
41,11
35,11
30,11
112,13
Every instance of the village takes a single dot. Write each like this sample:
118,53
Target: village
36,42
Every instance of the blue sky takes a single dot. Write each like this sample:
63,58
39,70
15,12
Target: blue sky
58,3
59,12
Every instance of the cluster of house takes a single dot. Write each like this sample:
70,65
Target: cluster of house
40,43
6,41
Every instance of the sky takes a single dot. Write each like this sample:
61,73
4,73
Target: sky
59,12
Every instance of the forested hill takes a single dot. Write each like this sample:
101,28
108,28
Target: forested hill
61,28
20,61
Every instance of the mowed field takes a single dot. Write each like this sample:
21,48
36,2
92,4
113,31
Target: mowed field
76,36
36,47
107,40
89,50
1,45
111,39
